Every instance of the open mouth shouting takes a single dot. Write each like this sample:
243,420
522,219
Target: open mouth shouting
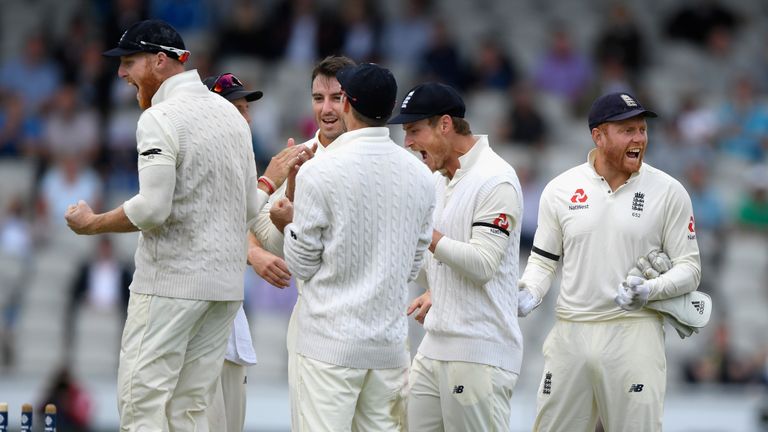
633,153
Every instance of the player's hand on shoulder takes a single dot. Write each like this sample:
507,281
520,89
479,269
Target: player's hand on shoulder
526,300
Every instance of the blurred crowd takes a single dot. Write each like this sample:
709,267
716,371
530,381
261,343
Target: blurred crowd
528,69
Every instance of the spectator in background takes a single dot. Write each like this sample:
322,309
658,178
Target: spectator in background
719,363
243,33
743,126
493,69
299,32
525,125
66,181
440,61
102,283
119,15
753,209
11,126
68,49
71,129
694,21
710,221
562,70
16,252
363,24
697,123
190,17
73,404
621,41
32,75
407,37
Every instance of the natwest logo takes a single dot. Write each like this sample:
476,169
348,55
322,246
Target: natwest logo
579,196
691,229
502,222
578,199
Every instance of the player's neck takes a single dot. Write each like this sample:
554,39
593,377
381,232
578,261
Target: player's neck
612,176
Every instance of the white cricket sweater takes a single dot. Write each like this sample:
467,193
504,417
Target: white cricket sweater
198,252
469,320
362,223
600,233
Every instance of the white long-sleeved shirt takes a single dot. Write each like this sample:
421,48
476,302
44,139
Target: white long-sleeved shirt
473,273
362,223
600,233
196,251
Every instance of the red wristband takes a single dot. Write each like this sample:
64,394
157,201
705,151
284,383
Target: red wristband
268,183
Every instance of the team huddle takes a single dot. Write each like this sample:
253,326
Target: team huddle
355,218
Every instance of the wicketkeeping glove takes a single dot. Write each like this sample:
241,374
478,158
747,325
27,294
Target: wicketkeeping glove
632,294
652,265
526,300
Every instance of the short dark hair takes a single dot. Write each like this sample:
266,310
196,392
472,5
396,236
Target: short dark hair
371,122
329,66
460,126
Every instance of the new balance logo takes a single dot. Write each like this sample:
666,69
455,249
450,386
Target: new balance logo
547,387
293,235
458,389
699,305
635,388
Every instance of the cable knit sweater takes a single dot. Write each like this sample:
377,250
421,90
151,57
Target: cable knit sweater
199,251
361,225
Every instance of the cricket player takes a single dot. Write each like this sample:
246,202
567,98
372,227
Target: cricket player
198,193
266,245
227,410
605,357
468,363
361,229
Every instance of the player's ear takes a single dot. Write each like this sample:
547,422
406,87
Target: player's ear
446,123
597,136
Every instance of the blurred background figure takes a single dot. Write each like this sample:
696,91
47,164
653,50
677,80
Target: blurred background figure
101,285
74,407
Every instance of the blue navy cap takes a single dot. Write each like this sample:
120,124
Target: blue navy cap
428,100
150,36
615,107
370,89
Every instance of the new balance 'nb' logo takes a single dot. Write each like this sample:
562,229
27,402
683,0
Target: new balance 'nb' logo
635,388
699,305
458,389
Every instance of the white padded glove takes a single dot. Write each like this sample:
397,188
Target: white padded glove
526,300
652,265
632,294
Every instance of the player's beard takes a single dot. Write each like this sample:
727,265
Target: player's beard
617,161
149,86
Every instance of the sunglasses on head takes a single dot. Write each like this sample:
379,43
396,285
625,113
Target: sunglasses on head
226,81
178,53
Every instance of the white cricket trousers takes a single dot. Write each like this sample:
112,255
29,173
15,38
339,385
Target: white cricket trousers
227,410
612,369
171,354
293,373
458,396
333,398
